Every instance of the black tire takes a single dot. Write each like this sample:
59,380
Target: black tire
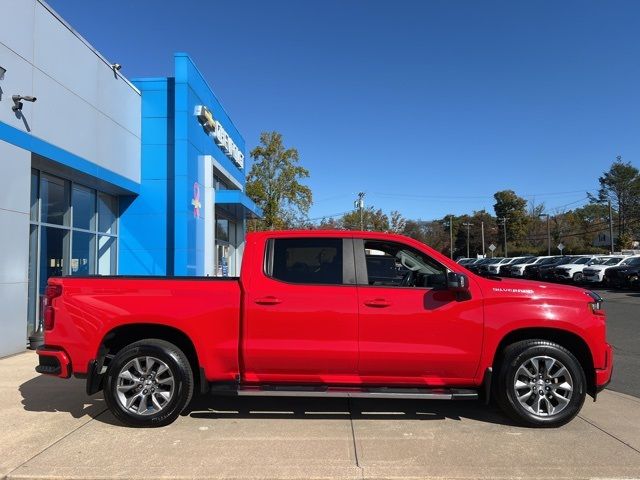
578,277
178,367
516,355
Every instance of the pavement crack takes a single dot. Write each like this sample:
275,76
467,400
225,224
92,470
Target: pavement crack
353,434
8,475
610,434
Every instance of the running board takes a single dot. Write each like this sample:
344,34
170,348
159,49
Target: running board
357,392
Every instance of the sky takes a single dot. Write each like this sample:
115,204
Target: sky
429,107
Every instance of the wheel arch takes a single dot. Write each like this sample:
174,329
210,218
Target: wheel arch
569,340
121,336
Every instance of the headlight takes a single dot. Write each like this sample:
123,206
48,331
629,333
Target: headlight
596,304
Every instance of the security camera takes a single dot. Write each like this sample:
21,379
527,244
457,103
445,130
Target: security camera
17,101
116,67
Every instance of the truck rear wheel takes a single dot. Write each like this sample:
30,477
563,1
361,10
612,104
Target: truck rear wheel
540,383
148,383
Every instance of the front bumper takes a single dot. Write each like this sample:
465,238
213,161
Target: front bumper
592,278
603,375
53,361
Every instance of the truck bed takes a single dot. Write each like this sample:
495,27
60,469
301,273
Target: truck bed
205,309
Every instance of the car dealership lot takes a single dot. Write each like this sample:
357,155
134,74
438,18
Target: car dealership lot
52,430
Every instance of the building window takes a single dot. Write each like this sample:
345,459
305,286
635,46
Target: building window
220,184
225,247
73,232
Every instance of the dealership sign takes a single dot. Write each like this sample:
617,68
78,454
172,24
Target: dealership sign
215,130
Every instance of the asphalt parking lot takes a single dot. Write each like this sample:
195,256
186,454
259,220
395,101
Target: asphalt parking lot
623,332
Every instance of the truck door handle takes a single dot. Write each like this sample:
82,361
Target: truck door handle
270,300
378,303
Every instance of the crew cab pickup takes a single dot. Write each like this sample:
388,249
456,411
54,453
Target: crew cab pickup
329,313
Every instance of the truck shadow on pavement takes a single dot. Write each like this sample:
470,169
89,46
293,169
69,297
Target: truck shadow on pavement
209,407
51,394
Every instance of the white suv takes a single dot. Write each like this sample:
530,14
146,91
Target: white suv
518,270
594,273
573,271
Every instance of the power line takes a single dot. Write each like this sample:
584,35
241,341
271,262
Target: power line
472,197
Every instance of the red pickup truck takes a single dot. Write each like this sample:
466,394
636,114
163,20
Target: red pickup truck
331,314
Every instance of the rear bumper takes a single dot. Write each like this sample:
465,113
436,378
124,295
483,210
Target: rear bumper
53,361
603,375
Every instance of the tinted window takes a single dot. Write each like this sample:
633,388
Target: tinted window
107,213
307,260
54,200
83,201
397,265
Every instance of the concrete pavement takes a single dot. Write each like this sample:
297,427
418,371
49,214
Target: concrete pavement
51,429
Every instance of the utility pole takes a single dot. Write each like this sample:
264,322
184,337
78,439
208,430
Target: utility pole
482,229
451,236
450,225
504,228
548,233
468,225
611,226
359,204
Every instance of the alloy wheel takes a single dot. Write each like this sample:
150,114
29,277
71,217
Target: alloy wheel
543,386
145,385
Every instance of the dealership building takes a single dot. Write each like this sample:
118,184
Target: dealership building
102,175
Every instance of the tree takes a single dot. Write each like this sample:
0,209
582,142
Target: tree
372,219
274,184
397,222
621,185
512,207
432,233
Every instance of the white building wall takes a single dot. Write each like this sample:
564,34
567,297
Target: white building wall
15,177
82,105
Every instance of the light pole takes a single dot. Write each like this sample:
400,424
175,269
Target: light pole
482,229
611,226
468,225
504,228
548,233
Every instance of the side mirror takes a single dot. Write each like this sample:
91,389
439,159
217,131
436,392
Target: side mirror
457,282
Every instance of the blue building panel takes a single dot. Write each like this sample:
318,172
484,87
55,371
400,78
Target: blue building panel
174,184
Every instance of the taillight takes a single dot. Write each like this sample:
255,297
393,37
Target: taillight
48,314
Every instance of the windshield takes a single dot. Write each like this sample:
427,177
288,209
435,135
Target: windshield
632,262
522,260
582,261
546,261
611,261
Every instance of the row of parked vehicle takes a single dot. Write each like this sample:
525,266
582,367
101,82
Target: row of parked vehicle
616,271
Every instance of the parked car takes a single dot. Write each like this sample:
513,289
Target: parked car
492,267
466,261
532,271
518,270
475,267
547,273
305,318
594,273
505,270
626,275
572,272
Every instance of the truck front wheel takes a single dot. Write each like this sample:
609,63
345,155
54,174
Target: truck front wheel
148,383
540,383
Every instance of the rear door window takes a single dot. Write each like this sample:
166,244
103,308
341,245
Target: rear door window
306,260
